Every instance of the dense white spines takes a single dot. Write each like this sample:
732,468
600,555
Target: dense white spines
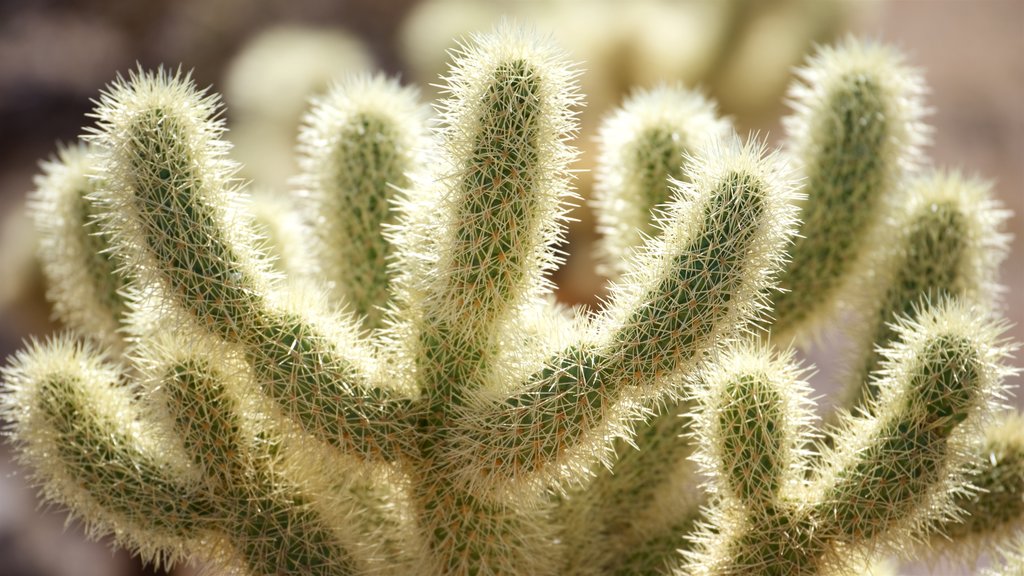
990,517
700,281
75,424
644,145
945,241
896,470
856,131
358,147
720,243
504,132
753,418
468,435
81,281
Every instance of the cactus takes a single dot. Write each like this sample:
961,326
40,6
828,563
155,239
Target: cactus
417,403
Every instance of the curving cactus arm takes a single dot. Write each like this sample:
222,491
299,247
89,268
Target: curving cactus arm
168,210
81,274
79,429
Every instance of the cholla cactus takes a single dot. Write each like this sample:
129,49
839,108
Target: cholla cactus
433,411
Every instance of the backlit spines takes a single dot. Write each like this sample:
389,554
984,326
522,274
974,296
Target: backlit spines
358,146
174,216
468,433
752,418
273,523
946,241
76,426
644,145
989,517
81,281
504,132
943,377
169,202
702,280
897,470
856,131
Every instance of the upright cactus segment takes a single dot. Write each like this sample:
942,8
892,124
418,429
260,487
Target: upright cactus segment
358,146
944,242
454,421
643,144
86,292
856,131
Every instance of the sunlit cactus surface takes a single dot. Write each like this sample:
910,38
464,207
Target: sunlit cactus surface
373,376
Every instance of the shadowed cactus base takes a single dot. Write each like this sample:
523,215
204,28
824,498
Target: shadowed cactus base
410,399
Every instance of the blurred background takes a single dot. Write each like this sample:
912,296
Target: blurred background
268,56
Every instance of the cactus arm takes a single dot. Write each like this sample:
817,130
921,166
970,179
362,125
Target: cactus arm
643,144
701,280
167,202
896,470
988,517
504,129
948,244
503,132
629,519
276,528
358,146
81,279
77,428
857,129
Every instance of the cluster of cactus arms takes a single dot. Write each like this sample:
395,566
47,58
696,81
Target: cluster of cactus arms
412,400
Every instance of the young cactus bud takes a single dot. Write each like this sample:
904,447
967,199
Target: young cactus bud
358,145
644,145
946,242
752,419
82,282
856,130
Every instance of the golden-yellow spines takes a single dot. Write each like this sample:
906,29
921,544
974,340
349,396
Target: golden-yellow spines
946,241
856,131
359,145
80,272
77,428
644,145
